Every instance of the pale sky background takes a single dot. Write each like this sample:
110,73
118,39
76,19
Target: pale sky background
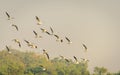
95,23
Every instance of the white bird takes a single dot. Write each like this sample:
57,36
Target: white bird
38,20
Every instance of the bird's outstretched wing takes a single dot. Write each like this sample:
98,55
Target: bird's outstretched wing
85,47
15,26
8,15
51,30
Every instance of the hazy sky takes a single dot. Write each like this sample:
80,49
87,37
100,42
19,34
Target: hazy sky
95,23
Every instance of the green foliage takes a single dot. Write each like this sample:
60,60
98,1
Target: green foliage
28,63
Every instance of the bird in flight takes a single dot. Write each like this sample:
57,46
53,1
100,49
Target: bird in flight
85,47
38,20
17,41
15,26
57,37
9,17
76,59
44,52
69,42
30,44
36,35
8,49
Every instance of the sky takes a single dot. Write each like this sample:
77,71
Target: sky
92,22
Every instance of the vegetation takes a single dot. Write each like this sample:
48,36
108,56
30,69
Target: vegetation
28,63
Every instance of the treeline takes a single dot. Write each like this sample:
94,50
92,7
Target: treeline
29,63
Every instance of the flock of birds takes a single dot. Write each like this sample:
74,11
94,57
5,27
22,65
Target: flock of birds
30,44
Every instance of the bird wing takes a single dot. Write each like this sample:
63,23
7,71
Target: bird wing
47,56
7,48
67,39
15,26
37,19
19,44
51,30
56,36
35,32
27,41
48,33
7,14
75,58
84,46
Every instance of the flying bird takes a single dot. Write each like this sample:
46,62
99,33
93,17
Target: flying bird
44,52
38,20
9,17
15,26
8,49
17,41
36,35
85,47
57,37
47,33
76,59
30,44
69,42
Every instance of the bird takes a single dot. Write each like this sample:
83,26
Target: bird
30,44
9,17
43,30
57,37
36,35
15,26
8,49
52,32
44,52
38,20
47,33
85,47
62,57
69,42
76,59
17,41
